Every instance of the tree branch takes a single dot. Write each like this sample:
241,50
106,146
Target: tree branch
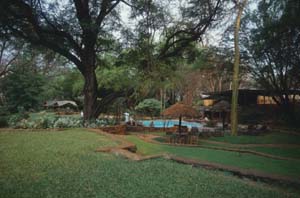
105,10
189,35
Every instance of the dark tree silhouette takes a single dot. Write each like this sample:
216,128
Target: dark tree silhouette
79,29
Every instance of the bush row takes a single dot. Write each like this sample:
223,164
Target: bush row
23,121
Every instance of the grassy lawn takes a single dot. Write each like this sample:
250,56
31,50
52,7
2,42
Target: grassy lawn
246,161
64,164
281,152
270,138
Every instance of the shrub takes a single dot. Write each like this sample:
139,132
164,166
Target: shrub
22,124
4,111
68,122
16,118
99,123
23,89
3,122
149,107
43,122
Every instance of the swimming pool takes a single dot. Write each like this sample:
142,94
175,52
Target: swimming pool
169,123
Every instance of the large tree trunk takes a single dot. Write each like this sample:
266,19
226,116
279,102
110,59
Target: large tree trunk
90,89
90,95
235,80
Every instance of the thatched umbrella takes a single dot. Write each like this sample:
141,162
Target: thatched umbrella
179,110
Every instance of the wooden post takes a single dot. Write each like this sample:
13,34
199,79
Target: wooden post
223,119
235,81
179,128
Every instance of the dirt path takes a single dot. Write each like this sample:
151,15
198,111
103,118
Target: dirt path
124,149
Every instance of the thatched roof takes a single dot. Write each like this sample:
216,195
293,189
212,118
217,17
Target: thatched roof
60,103
180,109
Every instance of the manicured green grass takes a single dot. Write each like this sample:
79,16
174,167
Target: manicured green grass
282,152
270,138
246,161
64,164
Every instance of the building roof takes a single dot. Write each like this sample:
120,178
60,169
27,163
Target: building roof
257,92
59,103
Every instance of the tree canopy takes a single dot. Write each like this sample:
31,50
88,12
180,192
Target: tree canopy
274,49
80,29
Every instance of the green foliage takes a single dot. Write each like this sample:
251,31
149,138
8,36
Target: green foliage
67,86
116,78
99,123
149,107
68,122
274,49
23,89
39,164
15,119
4,110
3,121
44,120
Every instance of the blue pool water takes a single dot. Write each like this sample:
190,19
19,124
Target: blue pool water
169,123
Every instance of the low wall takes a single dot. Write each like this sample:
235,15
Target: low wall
123,129
143,129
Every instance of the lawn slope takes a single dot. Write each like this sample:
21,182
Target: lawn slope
64,164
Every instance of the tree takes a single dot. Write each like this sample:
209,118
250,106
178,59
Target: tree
240,5
80,29
75,30
161,46
22,89
149,107
274,50
9,52
213,67
66,86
